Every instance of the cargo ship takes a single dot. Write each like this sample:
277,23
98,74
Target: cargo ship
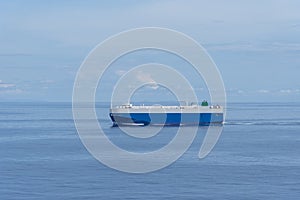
193,114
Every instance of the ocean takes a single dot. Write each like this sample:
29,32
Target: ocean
256,157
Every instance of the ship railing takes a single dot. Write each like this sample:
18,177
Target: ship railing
130,106
168,107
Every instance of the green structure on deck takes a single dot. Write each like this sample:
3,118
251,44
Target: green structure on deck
204,103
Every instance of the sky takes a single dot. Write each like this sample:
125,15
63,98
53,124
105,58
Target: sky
255,44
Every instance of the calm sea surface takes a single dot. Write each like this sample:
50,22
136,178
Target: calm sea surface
256,157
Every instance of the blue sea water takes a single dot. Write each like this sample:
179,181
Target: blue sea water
256,157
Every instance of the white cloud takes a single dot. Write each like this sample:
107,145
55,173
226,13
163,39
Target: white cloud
286,91
263,91
11,91
6,85
9,88
236,90
48,81
146,78
120,72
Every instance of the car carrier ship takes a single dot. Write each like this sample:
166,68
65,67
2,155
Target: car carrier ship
186,115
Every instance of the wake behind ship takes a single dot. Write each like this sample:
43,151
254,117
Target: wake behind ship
193,114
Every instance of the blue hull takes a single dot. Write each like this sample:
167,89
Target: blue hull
167,119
